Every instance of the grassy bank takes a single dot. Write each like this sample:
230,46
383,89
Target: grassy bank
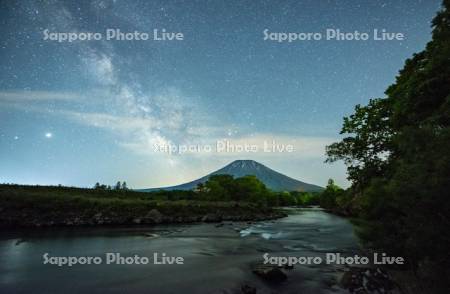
51,206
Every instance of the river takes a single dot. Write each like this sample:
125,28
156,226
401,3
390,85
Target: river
217,259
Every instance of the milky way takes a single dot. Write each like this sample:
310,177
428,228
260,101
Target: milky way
79,112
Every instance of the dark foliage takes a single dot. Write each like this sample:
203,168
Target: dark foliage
397,152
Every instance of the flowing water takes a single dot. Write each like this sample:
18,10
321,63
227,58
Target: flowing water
217,259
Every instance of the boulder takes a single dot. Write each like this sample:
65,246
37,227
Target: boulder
270,273
154,216
211,217
367,280
246,289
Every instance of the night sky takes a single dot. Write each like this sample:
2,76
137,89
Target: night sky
75,113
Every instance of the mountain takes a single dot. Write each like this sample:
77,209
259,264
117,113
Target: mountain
239,168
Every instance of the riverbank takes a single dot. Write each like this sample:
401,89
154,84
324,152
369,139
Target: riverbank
28,206
390,279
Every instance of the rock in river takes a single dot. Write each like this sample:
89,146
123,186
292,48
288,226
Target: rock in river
367,280
246,289
270,273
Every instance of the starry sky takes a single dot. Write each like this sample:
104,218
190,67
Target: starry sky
75,113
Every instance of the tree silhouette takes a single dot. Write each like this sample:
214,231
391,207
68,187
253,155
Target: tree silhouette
118,186
124,185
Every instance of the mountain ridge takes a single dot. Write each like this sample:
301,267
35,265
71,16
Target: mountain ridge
274,180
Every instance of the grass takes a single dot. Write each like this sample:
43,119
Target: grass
55,205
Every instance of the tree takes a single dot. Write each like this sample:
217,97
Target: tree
398,160
216,192
272,199
366,151
97,186
287,199
118,186
124,186
219,187
225,187
328,198
250,188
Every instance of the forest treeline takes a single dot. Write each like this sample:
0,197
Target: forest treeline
218,188
397,152
243,189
